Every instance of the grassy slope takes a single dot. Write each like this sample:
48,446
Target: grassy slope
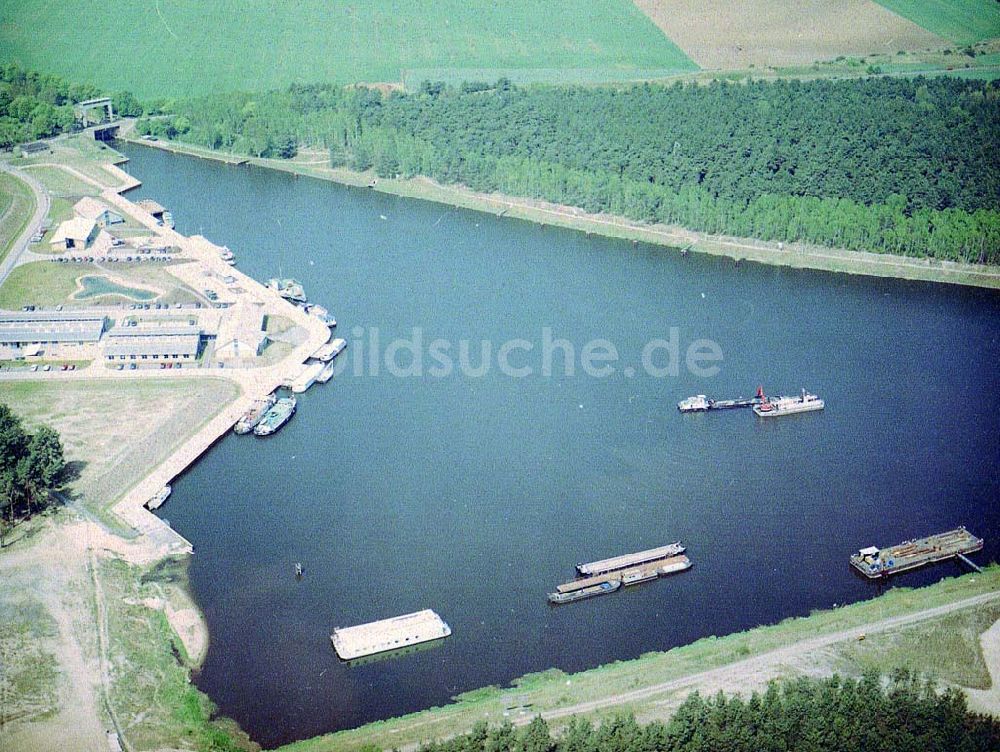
256,44
554,689
961,21
17,204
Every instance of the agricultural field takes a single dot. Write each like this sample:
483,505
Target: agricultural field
959,21
760,33
255,45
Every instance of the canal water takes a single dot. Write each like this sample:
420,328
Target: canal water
475,495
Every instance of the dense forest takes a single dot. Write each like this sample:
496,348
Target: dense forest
31,464
905,714
899,165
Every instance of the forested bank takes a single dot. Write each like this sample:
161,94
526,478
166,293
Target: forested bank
906,714
904,166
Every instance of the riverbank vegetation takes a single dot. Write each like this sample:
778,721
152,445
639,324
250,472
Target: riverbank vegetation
31,466
901,166
904,712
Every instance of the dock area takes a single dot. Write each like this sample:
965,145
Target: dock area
389,634
874,562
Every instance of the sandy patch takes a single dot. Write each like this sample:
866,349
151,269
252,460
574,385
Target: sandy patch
724,34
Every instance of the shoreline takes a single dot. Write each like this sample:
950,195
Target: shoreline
682,240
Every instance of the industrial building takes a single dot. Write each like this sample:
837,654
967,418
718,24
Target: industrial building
28,333
157,343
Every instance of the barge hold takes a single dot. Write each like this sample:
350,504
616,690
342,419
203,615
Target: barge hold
874,562
253,416
630,560
388,634
276,416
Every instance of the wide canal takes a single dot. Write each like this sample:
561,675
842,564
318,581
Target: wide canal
474,495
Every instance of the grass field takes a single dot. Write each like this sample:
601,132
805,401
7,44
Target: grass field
960,21
256,44
17,204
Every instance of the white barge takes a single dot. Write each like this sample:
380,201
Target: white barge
388,634
804,403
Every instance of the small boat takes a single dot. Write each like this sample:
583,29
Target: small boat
253,416
329,320
298,569
588,592
156,501
326,374
168,219
276,416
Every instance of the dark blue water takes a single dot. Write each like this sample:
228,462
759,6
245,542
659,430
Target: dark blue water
475,496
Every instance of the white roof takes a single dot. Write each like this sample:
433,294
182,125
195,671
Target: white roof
870,551
241,325
90,208
78,228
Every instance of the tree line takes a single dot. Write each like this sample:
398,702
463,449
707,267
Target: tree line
31,465
899,165
905,713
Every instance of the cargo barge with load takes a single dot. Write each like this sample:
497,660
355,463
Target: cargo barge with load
590,591
388,634
874,562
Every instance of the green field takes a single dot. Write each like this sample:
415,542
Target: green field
961,21
165,48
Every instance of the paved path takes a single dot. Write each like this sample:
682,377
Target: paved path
42,204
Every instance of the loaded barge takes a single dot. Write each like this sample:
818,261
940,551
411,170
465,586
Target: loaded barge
388,634
608,575
874,562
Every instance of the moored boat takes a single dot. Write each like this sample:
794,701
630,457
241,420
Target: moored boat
587,592
276,416
289,289
156,501
307,377
329,351
253,416
326,374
